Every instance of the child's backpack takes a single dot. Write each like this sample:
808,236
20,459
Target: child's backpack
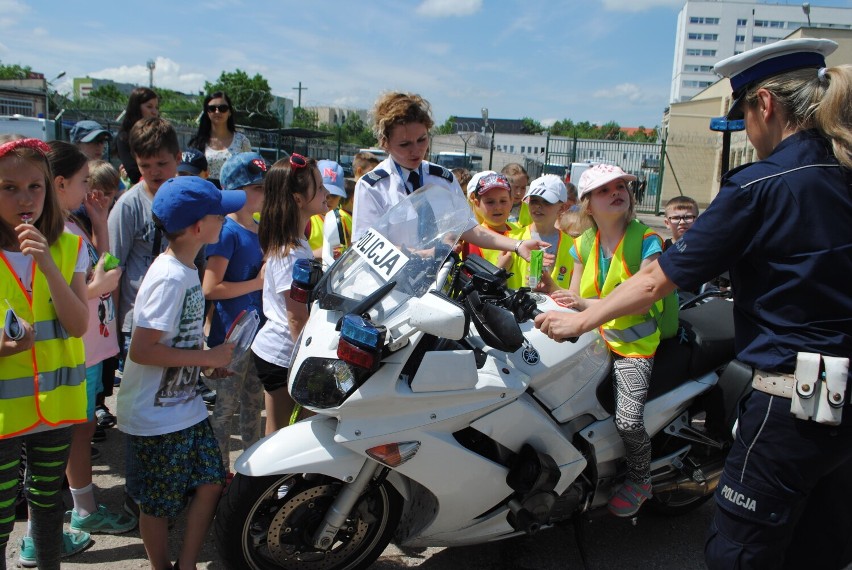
667,319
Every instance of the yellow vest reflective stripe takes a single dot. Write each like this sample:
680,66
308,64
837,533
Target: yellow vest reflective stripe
46,384
563,266
632,335
315,237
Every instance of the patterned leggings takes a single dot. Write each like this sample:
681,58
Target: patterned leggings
47,455
632,377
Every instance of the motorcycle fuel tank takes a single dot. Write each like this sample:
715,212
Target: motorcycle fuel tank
564,376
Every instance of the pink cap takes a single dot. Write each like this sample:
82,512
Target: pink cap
600,175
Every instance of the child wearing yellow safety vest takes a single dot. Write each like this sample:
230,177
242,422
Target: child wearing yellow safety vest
42,358
601,256
546,200
491,196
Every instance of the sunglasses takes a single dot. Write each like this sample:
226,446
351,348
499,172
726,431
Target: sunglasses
220,108
298,161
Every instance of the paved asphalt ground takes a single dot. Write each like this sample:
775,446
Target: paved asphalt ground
606,542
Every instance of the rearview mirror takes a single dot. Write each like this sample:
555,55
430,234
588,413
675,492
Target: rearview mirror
438,315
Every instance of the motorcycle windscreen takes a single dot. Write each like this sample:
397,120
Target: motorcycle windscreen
407,245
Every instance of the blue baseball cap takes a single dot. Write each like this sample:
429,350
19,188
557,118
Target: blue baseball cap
192,162
182,201
332,177
242,169
89,131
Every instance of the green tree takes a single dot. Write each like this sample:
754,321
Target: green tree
251,97
14,71
179,107
108,92
531,126
448,128
303,118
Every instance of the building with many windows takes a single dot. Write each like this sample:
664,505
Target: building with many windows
709,31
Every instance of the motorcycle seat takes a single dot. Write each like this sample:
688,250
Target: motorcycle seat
704,342
709,329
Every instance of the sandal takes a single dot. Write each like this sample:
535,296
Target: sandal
105,419
629,498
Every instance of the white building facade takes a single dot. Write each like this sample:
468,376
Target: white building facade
708,31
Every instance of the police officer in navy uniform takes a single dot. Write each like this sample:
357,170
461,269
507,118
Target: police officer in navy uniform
401,125
783,226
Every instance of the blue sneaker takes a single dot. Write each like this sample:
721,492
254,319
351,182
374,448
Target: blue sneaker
72,543
102,522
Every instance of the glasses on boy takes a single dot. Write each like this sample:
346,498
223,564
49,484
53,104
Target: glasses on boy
686,219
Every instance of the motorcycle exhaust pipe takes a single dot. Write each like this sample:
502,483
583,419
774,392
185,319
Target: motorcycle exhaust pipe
688,485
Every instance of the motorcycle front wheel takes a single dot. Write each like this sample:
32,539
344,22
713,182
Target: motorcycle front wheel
268,523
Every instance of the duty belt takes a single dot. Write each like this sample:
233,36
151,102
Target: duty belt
773,383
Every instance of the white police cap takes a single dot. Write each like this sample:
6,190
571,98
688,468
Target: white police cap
766,61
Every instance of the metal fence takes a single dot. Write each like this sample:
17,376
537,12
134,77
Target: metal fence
644,160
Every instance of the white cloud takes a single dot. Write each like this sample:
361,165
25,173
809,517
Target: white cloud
624,91
640,5
446,8
167,73
13,7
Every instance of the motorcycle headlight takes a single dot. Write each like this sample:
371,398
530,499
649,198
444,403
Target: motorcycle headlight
326,382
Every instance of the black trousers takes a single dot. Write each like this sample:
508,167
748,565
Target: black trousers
784,499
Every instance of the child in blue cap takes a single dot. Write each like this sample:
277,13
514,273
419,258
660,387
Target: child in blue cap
233,280
158,405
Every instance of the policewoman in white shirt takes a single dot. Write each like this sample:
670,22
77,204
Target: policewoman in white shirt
401,124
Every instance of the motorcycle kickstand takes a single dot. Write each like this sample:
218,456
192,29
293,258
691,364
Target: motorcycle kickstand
342,506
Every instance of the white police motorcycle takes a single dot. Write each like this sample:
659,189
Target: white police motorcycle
445,418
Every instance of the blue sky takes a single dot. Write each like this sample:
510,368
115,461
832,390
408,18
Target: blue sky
587,60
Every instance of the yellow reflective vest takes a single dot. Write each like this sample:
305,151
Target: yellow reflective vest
633,336
46,384
563,266
315,236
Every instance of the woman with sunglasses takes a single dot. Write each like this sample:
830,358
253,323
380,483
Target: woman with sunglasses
217,135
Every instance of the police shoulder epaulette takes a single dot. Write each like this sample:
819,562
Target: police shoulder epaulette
438,170
372,177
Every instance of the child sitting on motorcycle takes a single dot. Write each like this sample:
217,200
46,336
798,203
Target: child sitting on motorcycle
600,265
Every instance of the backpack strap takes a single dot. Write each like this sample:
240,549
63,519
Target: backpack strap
341,235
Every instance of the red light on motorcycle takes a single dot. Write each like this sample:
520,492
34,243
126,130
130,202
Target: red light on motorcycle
394,454
351,354
299,294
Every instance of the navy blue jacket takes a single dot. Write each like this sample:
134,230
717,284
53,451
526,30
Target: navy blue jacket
783,227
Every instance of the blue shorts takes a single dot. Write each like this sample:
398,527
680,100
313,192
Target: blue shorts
172,465
94,386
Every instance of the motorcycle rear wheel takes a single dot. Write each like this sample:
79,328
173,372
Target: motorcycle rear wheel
267,523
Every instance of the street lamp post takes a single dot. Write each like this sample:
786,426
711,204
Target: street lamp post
806,8
47,85
151,66
491,145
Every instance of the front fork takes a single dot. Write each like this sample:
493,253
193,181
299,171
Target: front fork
343,505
